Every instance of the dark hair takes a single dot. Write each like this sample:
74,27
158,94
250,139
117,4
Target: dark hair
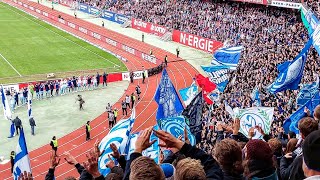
307,125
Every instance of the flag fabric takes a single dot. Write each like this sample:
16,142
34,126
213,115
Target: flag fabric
6,108
255,96
228,56
193,114
305,23
188,93
228,108
175,126
152,152
290,72
21,161
218,74
255,116
205,83
29,103
316,38
307,92
166,96
291,124
119,135
12,130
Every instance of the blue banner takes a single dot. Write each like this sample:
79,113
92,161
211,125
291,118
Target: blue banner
84,8
175,126
307,92
316,38
218,75
21,160
188,93
114,17
227,57
290,72
169,104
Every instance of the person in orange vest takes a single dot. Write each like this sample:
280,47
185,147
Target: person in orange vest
88,129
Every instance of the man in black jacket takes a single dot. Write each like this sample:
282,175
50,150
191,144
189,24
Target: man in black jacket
32,124
17,122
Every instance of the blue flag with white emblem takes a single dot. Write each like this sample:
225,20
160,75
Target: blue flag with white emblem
228,56
169,104
290,72
219,75
188,93
307,92
119,135
21,160
175,126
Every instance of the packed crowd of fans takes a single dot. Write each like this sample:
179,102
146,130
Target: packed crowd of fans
315,6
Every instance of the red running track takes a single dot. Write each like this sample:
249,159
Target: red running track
181,74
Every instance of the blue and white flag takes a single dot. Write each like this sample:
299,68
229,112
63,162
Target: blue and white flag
255,96
29,103
188,93
6,108
218,74
290,72
21,160
228,108
307,92
175,126
316,38
228,56
152,152
255,116
12,130
119,135
291,124
169,104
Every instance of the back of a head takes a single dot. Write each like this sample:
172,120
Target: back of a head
70,178
307,125
145,168
228,153
189,169
316,113
291,145
311,158
276,146
113,176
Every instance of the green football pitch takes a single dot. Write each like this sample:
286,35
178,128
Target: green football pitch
30,48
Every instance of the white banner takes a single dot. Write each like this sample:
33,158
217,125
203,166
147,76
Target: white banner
136,75
11,88
252,117
283,4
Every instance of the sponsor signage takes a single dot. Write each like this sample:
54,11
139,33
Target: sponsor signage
93,10
284,4
114,17
148,27
264,2
38,11
84,8
195,41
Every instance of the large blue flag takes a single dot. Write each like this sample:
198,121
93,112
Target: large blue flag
12,130
169,104
218,74
119,135
188,93
175,126
21,161
307,92
228,56
6,108
290,72
316,38
291,124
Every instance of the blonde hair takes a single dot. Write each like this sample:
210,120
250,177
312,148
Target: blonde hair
145,168
189,169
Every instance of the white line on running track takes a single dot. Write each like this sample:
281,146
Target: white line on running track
10,65
61,35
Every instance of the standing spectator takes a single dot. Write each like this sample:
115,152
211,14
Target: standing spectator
131,76
25,96
124,108
133,99
98,79
41,90
311,158
36,87
109,107
32,125
178,51
127,99
111,119
143,75
104,78
142,37
51,88
89,83
46,86
16,97
88,129
151,52
81,102
102,24
115,113
138,91
166,60
57,86
54,145
31,89
12,157
18,124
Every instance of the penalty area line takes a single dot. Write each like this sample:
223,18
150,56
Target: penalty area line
10,65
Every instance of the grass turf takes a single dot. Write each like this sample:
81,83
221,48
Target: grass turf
35,47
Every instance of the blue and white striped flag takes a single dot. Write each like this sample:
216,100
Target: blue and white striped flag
21,161
119,135
228,56
29,104
6,108
12,130
255,97
188,93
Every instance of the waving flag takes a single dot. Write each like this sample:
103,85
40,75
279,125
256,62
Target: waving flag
169,104
29,104
193,113
307,92
12,130
255,96
21,161
290,72
219,75
256,116
119,135
175,126
316,38
205,83
6,108
228,56
188,93
228,108
152,151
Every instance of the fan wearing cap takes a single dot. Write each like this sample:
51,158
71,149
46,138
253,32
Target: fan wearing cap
311,158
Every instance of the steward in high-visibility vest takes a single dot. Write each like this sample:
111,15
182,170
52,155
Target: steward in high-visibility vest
12,156
54,144
133,99
115,113
88,129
